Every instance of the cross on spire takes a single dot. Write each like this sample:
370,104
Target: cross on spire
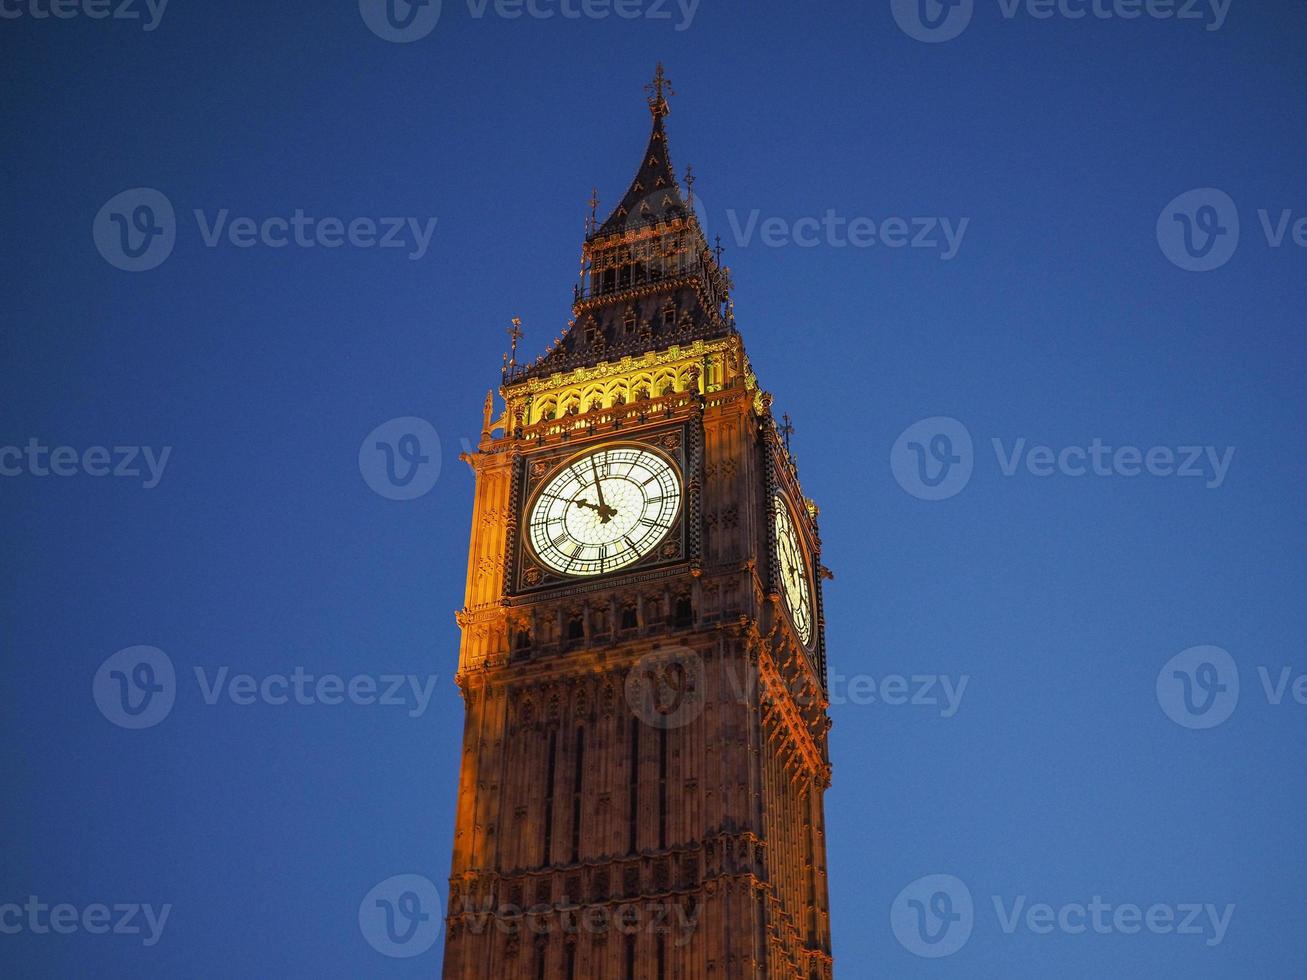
787,430
658,91
514,335
593,220
718,250
689,183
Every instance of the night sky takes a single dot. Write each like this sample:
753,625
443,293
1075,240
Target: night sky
1030,285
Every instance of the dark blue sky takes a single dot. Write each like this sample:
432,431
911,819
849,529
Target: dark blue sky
1060,319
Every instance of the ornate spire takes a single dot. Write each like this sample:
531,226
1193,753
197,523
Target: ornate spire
648,277
654,194
658,91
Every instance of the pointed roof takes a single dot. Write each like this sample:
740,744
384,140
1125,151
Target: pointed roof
672,289
654,194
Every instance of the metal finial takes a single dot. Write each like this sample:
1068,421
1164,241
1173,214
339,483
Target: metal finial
593,220
515,334
658,91
787,429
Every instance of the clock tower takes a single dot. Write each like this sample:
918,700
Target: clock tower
643,654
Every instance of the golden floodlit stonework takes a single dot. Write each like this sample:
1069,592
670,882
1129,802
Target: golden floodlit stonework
642,662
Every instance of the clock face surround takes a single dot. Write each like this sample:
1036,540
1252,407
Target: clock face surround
604,509
793,571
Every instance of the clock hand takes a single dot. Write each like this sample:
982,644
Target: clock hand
606,513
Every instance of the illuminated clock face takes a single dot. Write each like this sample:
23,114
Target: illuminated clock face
794,573
604,510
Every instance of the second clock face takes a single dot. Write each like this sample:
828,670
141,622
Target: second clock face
604,510
794,572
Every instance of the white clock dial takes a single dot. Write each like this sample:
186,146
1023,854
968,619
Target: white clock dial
603,510
793,572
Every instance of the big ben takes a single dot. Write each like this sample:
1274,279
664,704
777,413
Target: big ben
643,648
